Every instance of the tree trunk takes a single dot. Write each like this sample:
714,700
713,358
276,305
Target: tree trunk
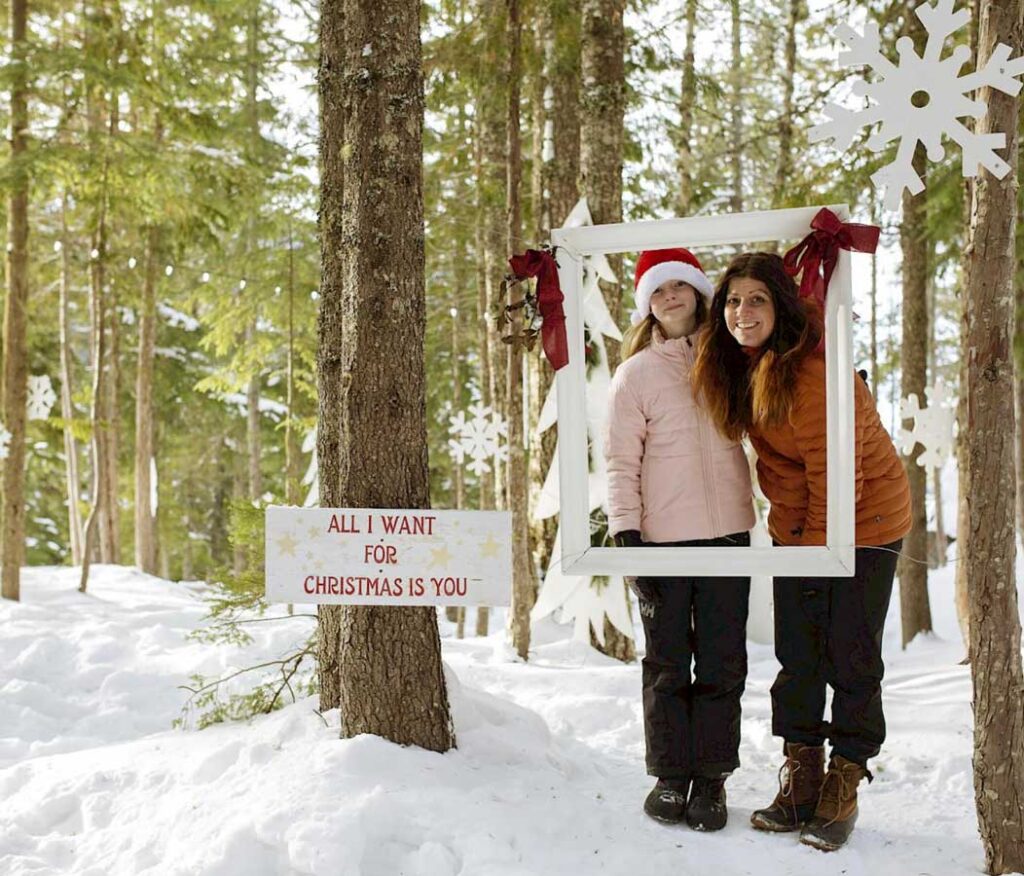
391,678
603,105
491,109
291,451
524,581
963,522
736,110
145,522
987,482
784,165
254,442
687,102
933,377
15,359
67,408
602,51
915,612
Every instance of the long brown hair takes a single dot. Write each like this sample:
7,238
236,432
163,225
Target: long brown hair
638,337
739,391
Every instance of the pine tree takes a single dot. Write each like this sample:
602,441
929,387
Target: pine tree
389,658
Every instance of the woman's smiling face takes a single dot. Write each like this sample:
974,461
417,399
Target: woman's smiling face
749,311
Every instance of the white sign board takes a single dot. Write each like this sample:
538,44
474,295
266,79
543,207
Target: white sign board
382,556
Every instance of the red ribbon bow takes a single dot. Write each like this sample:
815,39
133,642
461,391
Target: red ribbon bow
541,264
820,250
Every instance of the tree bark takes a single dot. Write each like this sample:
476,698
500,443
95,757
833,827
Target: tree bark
602,134
67,408
491,109
254,441
736,110
784,165
603,105
391,678
524,580
145,522
987,482
687,102
561,26
15,352
915,612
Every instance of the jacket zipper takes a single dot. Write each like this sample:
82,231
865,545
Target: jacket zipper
710,494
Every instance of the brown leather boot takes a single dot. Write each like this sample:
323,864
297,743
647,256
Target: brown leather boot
836,812
800,779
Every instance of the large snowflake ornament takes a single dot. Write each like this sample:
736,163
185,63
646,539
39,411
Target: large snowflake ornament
478,437
932,82
933,426
5,440
41,397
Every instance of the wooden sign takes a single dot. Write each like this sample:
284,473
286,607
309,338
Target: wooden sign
380,556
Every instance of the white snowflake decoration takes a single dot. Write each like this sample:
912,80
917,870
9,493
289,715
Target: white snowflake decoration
479,438
41,397
939,78
933,426
5,439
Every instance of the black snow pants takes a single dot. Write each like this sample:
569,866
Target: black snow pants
829,631
692,719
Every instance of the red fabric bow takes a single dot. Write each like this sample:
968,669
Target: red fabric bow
819,251
541,264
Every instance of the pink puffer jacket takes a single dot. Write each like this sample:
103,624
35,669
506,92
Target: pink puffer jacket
671,474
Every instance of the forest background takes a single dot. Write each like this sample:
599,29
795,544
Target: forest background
173,258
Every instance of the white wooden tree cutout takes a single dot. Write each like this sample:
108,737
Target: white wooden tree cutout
41,397
931,117
933,426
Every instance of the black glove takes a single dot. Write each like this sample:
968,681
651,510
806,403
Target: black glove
628,538
644,588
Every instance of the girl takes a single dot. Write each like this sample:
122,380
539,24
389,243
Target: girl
674,480
758,370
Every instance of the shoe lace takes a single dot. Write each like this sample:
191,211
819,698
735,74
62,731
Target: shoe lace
786,772
842,793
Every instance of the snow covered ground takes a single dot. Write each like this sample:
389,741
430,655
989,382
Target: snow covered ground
548,777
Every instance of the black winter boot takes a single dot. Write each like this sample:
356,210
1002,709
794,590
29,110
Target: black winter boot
667,800
707,803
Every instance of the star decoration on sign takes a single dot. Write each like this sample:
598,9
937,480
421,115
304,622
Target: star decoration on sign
490,547
287,544
440,555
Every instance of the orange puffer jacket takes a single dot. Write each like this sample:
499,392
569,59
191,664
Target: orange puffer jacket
791,468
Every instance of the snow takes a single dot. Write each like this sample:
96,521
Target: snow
548,777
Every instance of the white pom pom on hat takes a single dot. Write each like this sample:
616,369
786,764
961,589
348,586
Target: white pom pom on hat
657,266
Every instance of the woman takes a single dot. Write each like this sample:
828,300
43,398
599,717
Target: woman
759,370
673,480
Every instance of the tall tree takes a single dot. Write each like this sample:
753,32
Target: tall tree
602,136
372,238
15,351
915,612
687,102
736,108
987,480
524,582
784,167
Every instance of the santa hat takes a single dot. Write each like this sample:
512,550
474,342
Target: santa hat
656,266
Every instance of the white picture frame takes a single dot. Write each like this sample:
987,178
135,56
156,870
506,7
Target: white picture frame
579,557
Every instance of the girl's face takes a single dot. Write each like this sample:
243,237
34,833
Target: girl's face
674,304
749,311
